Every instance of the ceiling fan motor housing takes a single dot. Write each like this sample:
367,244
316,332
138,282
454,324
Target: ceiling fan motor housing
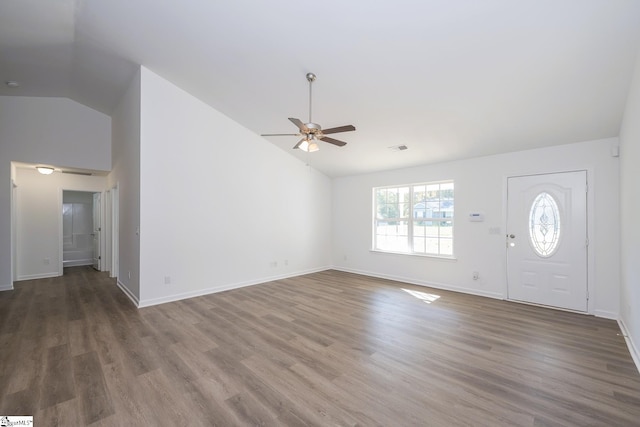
314,128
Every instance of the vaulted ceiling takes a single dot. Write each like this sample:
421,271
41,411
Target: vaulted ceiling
450,79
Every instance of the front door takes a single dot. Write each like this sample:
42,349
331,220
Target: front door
96,230
547,239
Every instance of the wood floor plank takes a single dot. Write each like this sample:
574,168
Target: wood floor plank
127,397
329,348
94,399
62,414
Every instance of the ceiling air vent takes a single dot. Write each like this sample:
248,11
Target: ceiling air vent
399,148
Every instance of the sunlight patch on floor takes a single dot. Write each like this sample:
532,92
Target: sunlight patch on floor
427,298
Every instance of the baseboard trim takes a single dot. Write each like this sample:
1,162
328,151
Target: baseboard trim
6,287
635,354
128,293
222,288
77,263
606,314
38,276
435,285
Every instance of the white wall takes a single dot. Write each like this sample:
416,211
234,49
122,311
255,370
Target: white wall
480,185
55,131
39,219
219,204
125,173
629,208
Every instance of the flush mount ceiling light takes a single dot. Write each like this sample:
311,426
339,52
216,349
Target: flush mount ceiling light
12,84
44,170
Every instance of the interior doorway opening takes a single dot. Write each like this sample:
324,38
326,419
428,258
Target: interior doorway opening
81,229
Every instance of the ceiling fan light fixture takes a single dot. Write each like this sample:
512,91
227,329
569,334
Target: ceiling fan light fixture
309,145
313,146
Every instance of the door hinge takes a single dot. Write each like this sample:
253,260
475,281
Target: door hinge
586,243
99,228
99,257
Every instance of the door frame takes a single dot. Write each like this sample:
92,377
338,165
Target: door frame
14,232
97,260
114,229
590,234
61,191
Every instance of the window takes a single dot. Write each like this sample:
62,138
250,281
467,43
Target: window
414,219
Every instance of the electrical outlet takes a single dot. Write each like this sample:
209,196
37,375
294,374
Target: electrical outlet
167,280
46,261
476,275
274,264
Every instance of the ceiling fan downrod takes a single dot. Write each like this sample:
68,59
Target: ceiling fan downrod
310,78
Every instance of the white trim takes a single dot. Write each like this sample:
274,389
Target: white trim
128,293
115,231
435,285
635,354
227,287
106,229
14,231
39,276
605,314
60,231
77,263
6,287
444,257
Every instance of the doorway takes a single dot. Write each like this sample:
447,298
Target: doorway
547,240
81,229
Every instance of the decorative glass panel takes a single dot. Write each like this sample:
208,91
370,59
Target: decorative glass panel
544,225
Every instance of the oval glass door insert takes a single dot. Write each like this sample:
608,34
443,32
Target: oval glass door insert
544,225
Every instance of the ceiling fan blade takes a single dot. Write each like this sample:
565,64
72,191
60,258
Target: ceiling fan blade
346,128
303,128
280,134
333,141
298,144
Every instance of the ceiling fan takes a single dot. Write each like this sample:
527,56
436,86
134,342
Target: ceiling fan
312,132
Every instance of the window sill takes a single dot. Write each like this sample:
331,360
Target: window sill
439,257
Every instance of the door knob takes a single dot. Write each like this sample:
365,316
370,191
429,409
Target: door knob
512,236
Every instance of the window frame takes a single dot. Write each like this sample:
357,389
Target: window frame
411,219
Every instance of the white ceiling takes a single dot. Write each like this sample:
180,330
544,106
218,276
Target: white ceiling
450,79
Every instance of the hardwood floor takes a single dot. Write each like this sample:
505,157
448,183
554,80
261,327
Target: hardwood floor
329,348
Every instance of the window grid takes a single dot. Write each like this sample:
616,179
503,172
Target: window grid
414,219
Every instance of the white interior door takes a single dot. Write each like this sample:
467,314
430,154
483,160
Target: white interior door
96,230
547,239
